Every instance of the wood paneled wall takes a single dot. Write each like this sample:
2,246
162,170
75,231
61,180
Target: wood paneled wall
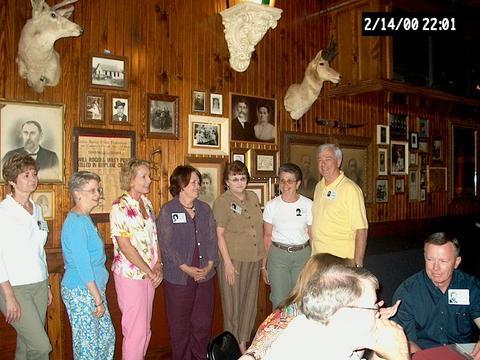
175,47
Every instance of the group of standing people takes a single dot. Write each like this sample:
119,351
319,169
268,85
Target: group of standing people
183,247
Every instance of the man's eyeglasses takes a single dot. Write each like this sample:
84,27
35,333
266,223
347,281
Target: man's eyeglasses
375,309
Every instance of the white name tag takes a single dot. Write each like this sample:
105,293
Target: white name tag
331,194
179,218
236,208
42,225
459,297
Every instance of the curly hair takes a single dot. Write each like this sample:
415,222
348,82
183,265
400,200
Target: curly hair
16,165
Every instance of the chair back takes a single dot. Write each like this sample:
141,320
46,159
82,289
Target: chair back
224,347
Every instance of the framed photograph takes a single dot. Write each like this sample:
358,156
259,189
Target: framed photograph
413,185
398,126
464,164
399,185
413,140
103,152
211,170
436,179
262,163
163,116
46,200
423,127
423,194
239,154
357,163
94,109
381,191
383,135
208,135
120,110
261,189
382,165
108,71
423,146
413,159
198,101
301,149
437,150
35,128
398,158
423,179
216,104
253,119
422,160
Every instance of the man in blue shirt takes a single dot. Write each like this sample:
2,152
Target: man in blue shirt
439,305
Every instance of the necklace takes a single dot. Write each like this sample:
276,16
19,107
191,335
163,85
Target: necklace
188,207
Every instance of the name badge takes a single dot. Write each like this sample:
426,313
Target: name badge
179,218
236,208
299,211
459,297
42,225
331,194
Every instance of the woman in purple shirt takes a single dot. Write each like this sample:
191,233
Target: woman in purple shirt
188,242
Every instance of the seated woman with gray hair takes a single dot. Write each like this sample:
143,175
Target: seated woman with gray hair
85,279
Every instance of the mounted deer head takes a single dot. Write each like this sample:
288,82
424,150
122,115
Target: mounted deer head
300,97
38,62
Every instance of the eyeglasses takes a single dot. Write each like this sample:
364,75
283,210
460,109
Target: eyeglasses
240,179
93,191
376,309
287,182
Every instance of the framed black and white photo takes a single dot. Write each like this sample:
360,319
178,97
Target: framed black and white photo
413,185
423,146
208,135
162,116
94,110
262,163
399,185
108,71
120,110
382,165
216,104
383,135
398,158
253,119
211,170
423,127
423,194
398,126
381,191
239,154
46,200
34,128
413,161
413,140
437,150
198,101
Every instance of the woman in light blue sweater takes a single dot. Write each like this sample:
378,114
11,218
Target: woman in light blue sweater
85,278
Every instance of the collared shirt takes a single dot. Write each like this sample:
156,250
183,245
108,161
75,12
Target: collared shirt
338,212
427,317
243,224
22,253
126,220
177,234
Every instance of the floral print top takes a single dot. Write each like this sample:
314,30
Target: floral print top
126,220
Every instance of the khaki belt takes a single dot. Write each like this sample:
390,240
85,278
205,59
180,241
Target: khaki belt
291,248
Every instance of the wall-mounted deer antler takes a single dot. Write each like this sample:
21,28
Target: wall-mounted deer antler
38,62
300,97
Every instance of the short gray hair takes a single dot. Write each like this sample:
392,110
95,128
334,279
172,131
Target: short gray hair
336,287
78,180
333,147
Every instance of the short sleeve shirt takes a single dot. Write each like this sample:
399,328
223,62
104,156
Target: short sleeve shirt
290,220
243,224
338,212
429,318
126,220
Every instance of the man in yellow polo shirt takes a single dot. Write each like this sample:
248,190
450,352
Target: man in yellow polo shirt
340,224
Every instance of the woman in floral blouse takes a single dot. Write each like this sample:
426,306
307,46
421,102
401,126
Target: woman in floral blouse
137,265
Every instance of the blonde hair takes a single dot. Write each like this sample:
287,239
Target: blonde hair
129,171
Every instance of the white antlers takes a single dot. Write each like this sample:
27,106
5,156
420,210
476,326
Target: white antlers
38,62
300,97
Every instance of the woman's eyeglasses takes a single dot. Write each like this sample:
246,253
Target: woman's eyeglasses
239,179
287,182
93,191
375,309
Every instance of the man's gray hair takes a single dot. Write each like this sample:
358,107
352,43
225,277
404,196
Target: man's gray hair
334,288
333,147
79,179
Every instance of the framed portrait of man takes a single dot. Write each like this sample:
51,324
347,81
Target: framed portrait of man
120,110
36,129
253,119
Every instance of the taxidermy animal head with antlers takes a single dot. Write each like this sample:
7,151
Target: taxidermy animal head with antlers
38,62
300,97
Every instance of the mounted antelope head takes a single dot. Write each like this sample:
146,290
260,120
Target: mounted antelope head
300,97
38,62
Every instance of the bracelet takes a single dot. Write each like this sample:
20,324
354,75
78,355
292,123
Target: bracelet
98,305
263,268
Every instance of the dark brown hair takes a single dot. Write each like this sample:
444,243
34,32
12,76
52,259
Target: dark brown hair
16,165
235,168
291,169
181,177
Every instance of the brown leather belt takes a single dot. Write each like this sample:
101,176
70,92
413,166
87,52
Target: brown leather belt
291,248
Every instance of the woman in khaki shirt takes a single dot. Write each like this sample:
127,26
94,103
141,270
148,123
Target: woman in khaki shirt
240,241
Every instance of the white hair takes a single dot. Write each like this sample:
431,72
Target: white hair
333,147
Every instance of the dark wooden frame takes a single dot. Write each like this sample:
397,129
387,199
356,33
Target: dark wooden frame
108,137
110,57
129,112
239,151
252,164
204,110
85,120
377,183
174,100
